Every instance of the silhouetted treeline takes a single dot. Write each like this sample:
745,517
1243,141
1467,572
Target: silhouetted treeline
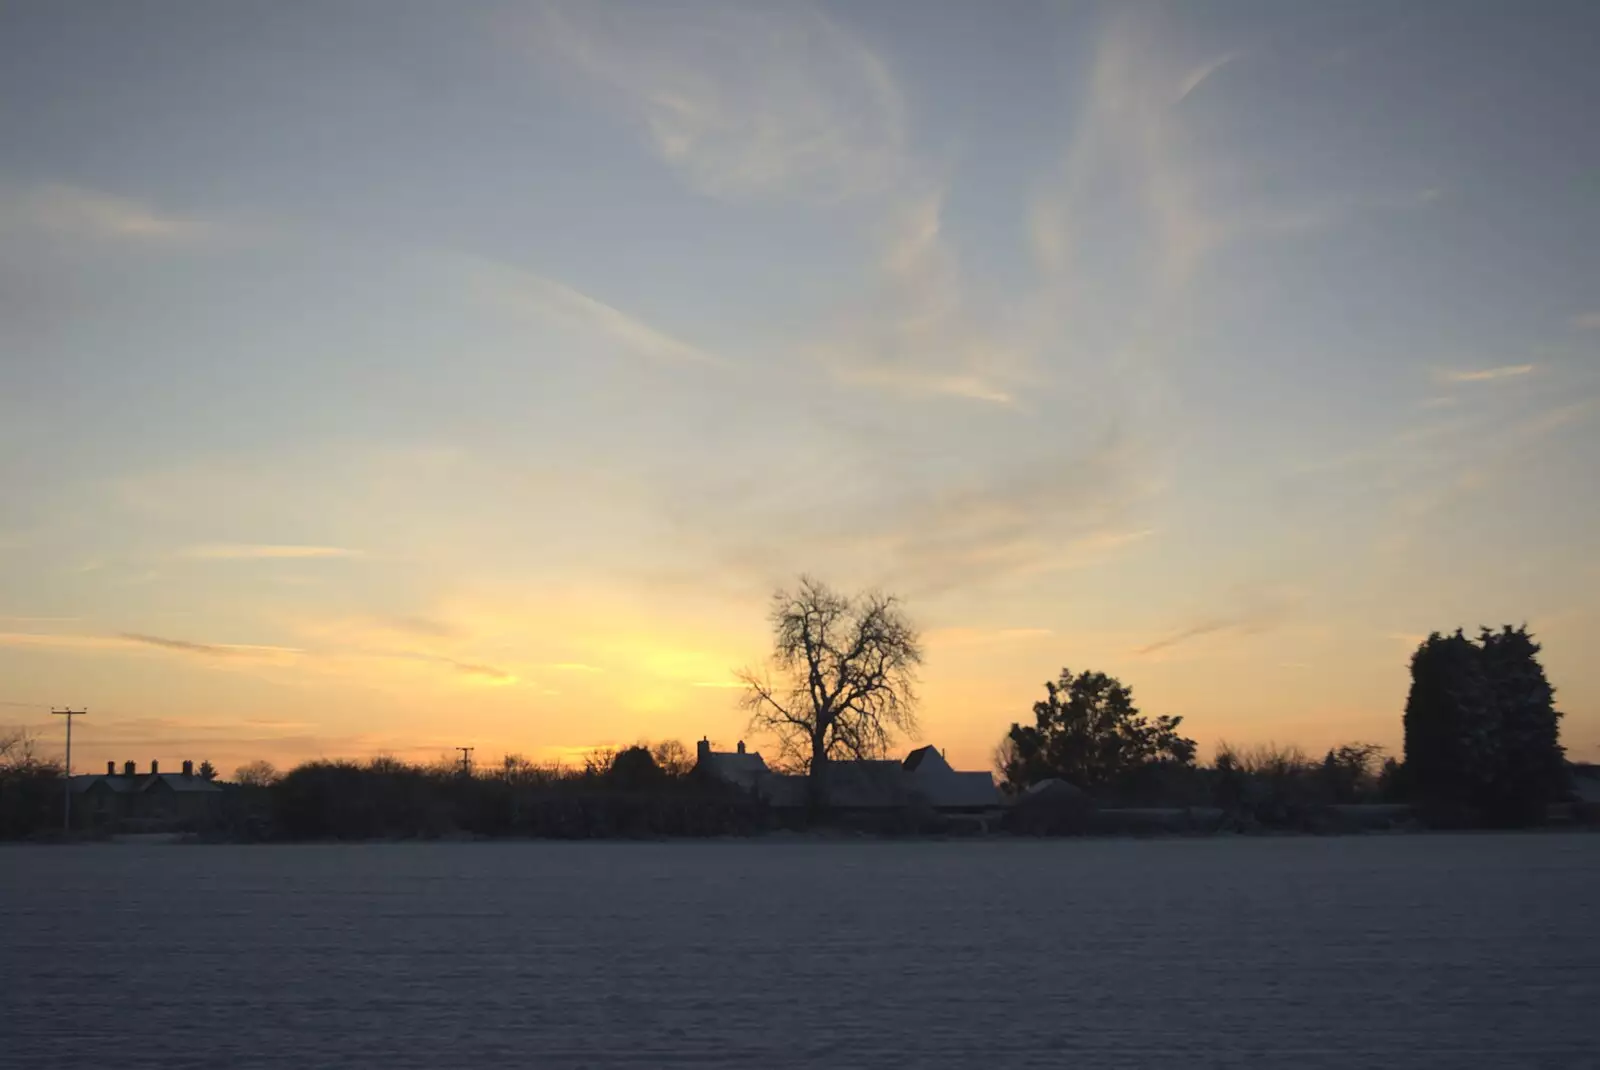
1481,748
30,788
627,794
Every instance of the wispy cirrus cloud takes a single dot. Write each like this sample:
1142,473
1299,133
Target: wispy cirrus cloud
744,101
1072,507
1198,76
488,673
740,100
135,640
1257,612
359,645
1587,321
1486,375
528,292
917,332
266,552
966,637
76,212
210,650
1139,201
60,641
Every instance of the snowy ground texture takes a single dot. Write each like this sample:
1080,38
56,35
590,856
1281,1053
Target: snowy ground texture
1437,951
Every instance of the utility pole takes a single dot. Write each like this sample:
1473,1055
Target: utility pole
466,760
66,795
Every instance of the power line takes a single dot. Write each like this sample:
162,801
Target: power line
66,781
466,760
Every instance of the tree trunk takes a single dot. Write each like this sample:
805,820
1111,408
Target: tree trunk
816,779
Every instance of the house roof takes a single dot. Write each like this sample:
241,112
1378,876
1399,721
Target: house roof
179,782
849,784
82,782
123,784
955,790
869,784
742,769
925,756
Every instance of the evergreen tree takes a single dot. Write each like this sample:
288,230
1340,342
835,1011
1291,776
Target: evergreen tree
1530,769
1481,729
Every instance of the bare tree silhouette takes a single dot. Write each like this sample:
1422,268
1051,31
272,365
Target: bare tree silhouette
840,681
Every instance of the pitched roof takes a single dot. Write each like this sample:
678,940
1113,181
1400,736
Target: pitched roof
179,782
956,790
123,784
741,769
928,755
82,782
867,784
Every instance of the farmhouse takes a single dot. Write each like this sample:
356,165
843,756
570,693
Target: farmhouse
146,801
924,778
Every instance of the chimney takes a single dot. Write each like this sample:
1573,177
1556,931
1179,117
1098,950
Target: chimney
111,769
703,750
741,746
154,767
188,768
129,769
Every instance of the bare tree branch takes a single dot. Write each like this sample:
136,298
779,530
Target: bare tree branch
848,668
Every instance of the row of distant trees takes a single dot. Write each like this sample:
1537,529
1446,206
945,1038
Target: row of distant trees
1481,729
1481,745
1482,741
641,790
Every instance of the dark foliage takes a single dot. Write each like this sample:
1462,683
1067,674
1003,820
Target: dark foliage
1281,787
30,788
31,792
1482,735
619,795
1088,732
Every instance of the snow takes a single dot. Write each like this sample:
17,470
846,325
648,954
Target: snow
1401,951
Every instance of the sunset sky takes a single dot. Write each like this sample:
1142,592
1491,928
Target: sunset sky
391,377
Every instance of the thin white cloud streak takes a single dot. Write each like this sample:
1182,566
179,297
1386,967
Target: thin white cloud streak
70,211
547,298
1587,321
325,660
137,640
1487,375
210,650
1198,76
739,100
266,551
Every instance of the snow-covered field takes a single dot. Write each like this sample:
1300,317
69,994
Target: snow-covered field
1440,951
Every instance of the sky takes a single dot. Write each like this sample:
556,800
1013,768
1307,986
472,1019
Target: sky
383,382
